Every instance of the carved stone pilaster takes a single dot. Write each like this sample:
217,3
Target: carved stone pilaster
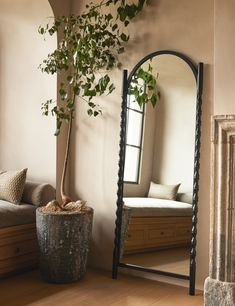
220,285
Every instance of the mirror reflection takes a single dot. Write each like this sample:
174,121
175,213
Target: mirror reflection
158,174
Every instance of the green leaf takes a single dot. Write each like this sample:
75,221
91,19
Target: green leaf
111,88
70,103
154,100
76,90
70,79
150,68
41,30
109,17
114,27
57,132
91,104
131,10
122,13
90,112
152,83
89,43
121,50
124,37
89,93
58,126
62,93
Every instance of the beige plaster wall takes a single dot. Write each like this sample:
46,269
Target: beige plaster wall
224,57
175,123
185,26
26,137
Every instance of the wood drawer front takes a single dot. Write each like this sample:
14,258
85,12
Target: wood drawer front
135,235
160,233
19,263
184,232
17,249
145,234
14,234
167,221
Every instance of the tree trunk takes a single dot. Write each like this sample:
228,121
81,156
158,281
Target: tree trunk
65,198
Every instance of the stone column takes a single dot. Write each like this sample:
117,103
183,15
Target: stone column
220,285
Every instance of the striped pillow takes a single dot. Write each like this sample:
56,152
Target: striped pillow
12,185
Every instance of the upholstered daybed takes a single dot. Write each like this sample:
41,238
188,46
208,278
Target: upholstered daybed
18,242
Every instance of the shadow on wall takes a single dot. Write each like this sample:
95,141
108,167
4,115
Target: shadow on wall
101,245
160,138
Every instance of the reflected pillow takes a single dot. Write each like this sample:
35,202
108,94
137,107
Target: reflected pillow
186,197
159,191
12,185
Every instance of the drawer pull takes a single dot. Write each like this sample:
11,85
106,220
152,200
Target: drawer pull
162,233
17,250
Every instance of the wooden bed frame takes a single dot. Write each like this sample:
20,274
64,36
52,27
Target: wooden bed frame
153,233
18,249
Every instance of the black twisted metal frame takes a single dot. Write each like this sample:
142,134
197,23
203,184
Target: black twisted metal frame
198,74
121,164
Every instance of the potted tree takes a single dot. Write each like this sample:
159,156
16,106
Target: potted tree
90,43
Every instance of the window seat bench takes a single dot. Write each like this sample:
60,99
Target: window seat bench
18,238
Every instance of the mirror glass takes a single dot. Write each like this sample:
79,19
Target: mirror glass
158,173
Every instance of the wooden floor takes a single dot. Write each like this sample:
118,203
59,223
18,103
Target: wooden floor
172,260
96,289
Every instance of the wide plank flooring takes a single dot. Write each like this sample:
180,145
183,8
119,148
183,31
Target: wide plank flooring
171,260
95,289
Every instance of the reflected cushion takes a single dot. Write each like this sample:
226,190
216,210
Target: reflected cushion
186,197
150,207
12,185
160,191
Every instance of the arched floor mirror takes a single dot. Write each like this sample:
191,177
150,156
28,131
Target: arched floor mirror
158,178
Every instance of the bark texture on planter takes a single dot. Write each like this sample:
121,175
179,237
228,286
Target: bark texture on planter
64,241
220,285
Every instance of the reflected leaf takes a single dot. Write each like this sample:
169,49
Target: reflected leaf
143,87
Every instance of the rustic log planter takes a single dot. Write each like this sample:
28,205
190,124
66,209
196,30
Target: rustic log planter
64,240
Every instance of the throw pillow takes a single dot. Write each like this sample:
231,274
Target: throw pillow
159,191
12,185
186,197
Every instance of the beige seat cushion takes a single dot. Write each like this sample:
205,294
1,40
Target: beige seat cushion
11,215
12,185
149,207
